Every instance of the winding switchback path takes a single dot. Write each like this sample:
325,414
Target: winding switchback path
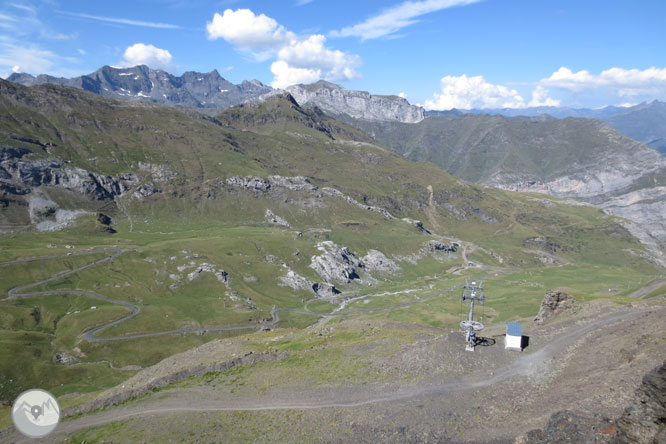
22,291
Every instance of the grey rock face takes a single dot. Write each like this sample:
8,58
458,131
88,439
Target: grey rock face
294,183
325,290
358,104
274,219
295,281
205,91
336,264
554,302
54,173
644,421
377,261
434,246
250,183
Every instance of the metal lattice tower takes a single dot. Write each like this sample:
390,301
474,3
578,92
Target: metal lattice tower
472,292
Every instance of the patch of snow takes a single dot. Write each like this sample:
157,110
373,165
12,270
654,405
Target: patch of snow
223,90
141,94
125,73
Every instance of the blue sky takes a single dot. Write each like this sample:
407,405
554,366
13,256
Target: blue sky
438,53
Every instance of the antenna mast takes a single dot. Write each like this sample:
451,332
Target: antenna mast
472,292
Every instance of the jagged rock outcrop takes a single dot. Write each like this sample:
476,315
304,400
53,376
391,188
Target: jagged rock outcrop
335,99
27,174
295,281
337,193
249,183
325,290
294,183
336,264
434,246
274,219
554,302
377,261
644,421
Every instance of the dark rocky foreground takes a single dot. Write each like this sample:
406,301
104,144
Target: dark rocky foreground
643,422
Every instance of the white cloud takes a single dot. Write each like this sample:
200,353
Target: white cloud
541,97
33,59
121,21
473,92
298,59
285,75
396,18
622,82
16,68
142,54
259,34
304,60
402,95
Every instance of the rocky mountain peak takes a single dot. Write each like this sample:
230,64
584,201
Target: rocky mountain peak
204,91
337,100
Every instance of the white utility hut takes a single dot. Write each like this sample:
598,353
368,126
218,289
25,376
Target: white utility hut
514,336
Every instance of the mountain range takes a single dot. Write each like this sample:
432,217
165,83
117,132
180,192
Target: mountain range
645,122
211,93
579,158
203,91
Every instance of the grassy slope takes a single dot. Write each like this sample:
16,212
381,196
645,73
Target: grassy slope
226,227
475,147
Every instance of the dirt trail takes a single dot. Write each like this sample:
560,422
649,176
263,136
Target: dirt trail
649,288
530,365
90,335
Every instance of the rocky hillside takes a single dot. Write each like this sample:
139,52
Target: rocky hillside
193,89
137,162
337,100
643,422
582,159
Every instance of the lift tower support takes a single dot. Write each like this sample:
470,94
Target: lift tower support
472,292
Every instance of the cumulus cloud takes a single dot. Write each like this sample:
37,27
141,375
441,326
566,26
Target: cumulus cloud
298,59
308,60
258,34
285,75
623,82
541,97
142,54
402,95
396,18
473,92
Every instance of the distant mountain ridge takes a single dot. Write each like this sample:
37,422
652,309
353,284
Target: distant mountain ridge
645,122
204,91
